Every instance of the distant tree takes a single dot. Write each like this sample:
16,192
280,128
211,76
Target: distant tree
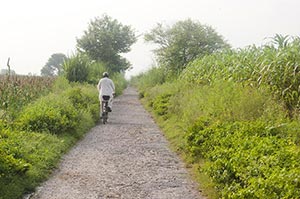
54,65
104,40
183,42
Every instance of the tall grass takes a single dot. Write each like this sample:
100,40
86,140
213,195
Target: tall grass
233,115
276,66
31,146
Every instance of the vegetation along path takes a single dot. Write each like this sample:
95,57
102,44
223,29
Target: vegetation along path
126,158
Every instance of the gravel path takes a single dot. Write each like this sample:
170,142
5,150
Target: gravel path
126,158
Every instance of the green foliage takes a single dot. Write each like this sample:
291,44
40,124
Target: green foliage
154,76
96,69
241,132
159,98
17,91
51,125
226,101
76,68
26,159
60,84
105,39
84,99
247,159
60,113
120,82
269,65
51,113
183,42
54,65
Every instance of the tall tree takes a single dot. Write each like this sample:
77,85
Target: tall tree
54,65
183,42
105,39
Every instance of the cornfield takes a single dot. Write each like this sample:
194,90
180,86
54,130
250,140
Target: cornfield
17,91
275,65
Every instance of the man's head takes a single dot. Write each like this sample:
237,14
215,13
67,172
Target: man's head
105,74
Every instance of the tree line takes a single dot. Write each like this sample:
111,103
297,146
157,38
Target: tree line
105,39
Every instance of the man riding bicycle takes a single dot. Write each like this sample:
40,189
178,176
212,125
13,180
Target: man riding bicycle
106,87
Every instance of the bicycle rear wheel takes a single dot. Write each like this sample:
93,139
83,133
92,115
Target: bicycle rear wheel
104,117
105,112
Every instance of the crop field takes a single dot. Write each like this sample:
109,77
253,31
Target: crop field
17,91
234,116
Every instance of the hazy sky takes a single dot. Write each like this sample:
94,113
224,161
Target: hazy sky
32,30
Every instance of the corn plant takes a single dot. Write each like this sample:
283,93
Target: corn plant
17,91
276,66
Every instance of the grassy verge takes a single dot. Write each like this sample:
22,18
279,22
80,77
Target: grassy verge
174,129
236,139
44,130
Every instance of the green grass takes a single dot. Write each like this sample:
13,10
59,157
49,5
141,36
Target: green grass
196,119
32,145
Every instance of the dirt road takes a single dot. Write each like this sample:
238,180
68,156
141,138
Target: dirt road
126,158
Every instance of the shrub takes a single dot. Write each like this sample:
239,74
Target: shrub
120,82
225,101
159,97
84,98
149,79
50,114
26,158
246,158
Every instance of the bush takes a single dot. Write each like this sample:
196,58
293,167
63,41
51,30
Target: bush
61,113
84,98
225,101
246,158
120,82
49,126
149,79
159,98
26,159
51,113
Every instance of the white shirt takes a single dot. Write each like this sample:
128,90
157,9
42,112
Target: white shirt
106,87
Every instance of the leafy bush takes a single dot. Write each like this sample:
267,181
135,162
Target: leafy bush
149,79
96,70
120,82
226,122
50,114
26,159
246,158
11,162
84,98
61,112
49,127
159,97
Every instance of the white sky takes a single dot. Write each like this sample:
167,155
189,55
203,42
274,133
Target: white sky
32,30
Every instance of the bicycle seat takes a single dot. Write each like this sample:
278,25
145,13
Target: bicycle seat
106,97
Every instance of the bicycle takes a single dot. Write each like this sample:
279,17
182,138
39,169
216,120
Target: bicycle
105,108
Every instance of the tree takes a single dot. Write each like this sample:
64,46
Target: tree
105,39
183,42
54,65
